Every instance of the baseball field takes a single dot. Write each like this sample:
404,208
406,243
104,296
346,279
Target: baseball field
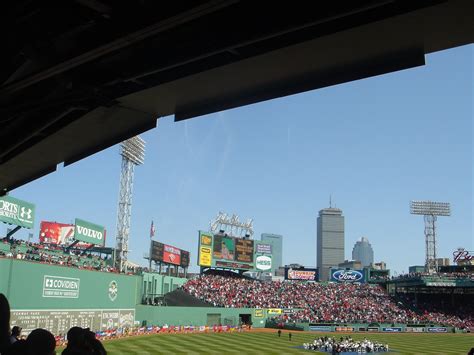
268,342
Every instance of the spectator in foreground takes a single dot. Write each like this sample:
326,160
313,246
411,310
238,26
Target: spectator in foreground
41,342
82,341
4,324
16,332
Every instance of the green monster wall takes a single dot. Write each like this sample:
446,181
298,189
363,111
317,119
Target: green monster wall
41,286
57,297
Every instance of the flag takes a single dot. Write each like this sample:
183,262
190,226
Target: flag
152,230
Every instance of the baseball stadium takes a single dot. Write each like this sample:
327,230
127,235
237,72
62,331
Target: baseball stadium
59,283
78,77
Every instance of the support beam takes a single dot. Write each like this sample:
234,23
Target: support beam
13,231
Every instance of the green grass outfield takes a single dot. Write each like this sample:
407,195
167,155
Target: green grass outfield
269,343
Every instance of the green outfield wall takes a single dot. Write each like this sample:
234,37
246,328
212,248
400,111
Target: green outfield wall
154,285
199,316
58,297
31,285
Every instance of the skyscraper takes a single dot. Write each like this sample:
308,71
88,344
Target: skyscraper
363,252
330,240
276,241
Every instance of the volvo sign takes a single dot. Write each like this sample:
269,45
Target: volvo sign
347,276
89,232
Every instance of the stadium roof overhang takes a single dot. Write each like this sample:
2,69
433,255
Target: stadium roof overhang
80,76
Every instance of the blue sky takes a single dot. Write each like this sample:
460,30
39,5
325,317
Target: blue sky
374,144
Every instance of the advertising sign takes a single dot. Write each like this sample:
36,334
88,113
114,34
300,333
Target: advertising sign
205,249
244,250
60,287
373,329
263,248
224,248
59,234
437,330
415,329
205,256
171,255
301,274
441,284
344,329
89,232
347,276
184,258
320,328
17,212
392,329
274,311
258,313
233,265
206,239
263,262
56,233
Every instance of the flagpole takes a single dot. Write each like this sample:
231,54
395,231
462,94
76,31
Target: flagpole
151,242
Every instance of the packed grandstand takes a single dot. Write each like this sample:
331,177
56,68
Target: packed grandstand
326,302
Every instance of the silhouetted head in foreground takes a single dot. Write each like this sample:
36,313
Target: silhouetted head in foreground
4,323
41,342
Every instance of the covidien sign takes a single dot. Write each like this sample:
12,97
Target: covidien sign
347,276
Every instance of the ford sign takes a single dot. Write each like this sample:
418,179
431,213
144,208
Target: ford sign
348,276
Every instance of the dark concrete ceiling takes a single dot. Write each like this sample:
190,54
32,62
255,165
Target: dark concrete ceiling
79,76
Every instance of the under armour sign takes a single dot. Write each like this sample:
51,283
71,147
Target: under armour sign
17,212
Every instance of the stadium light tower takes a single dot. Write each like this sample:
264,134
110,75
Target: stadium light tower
133,153
430,210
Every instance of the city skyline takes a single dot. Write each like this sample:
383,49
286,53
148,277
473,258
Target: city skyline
370,143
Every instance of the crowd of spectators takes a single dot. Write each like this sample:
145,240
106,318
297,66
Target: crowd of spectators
318,302
435,308
435,275
60,255
53,254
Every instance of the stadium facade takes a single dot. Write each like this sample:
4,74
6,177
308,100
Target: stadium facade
330,240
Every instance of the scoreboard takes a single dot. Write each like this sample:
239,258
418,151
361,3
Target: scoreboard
222,251
169,254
